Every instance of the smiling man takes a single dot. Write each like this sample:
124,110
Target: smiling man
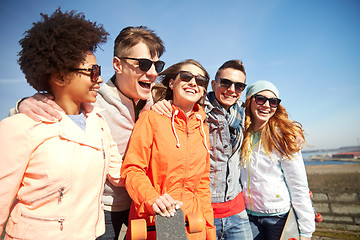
128,92
225,115
136,64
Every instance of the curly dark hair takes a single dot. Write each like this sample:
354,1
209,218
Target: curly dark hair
57,43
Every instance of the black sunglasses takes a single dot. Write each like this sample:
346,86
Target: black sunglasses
261,100
186,76
239,86
95,72
145,64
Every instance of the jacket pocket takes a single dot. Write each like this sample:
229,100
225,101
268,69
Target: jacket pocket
29,227
60,220
56,194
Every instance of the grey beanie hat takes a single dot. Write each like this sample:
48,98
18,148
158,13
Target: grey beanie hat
261,85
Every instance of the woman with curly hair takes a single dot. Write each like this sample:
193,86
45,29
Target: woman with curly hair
52,173
273,174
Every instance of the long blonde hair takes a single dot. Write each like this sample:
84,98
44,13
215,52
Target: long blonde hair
279,134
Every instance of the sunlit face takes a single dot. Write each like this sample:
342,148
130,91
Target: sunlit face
228,96
80,88
262,113
186,94
133,82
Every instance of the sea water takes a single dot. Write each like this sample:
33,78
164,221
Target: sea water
308,161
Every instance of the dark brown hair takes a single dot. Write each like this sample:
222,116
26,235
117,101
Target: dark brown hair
55,44
234,64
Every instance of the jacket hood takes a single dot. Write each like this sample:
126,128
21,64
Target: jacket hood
113,95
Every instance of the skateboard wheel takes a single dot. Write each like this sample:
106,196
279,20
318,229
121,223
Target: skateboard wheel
292,239
196,222
138,229
318,217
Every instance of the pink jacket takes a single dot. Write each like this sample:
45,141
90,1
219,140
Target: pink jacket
55,172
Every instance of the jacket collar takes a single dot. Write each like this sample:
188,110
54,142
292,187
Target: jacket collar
211,102
196,110
68,129
115,97
195,121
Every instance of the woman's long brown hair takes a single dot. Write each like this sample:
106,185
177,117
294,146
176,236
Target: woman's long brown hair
279,134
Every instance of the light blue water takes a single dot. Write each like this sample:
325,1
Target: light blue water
316,162
306,157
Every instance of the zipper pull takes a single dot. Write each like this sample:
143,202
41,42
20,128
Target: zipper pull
61,194
61,220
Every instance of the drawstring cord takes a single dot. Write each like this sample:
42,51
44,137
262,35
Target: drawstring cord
173,128
198,116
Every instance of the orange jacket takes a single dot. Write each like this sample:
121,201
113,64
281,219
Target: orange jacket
55,171
169,156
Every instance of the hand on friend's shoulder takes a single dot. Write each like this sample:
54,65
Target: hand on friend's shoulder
163,107
40,104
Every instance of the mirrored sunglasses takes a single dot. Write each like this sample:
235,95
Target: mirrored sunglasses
145,64
261,100
186,76
226,83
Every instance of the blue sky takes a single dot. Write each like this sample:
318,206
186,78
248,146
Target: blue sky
309,49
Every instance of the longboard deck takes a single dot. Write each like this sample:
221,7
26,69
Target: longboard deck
291,229
171,228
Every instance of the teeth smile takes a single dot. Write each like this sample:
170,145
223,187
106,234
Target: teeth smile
190,91
264,112
146,85
229,96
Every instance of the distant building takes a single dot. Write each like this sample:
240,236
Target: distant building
346,155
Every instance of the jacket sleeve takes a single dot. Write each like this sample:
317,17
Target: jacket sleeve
205,196
15,149
296,180
136,164
113,174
